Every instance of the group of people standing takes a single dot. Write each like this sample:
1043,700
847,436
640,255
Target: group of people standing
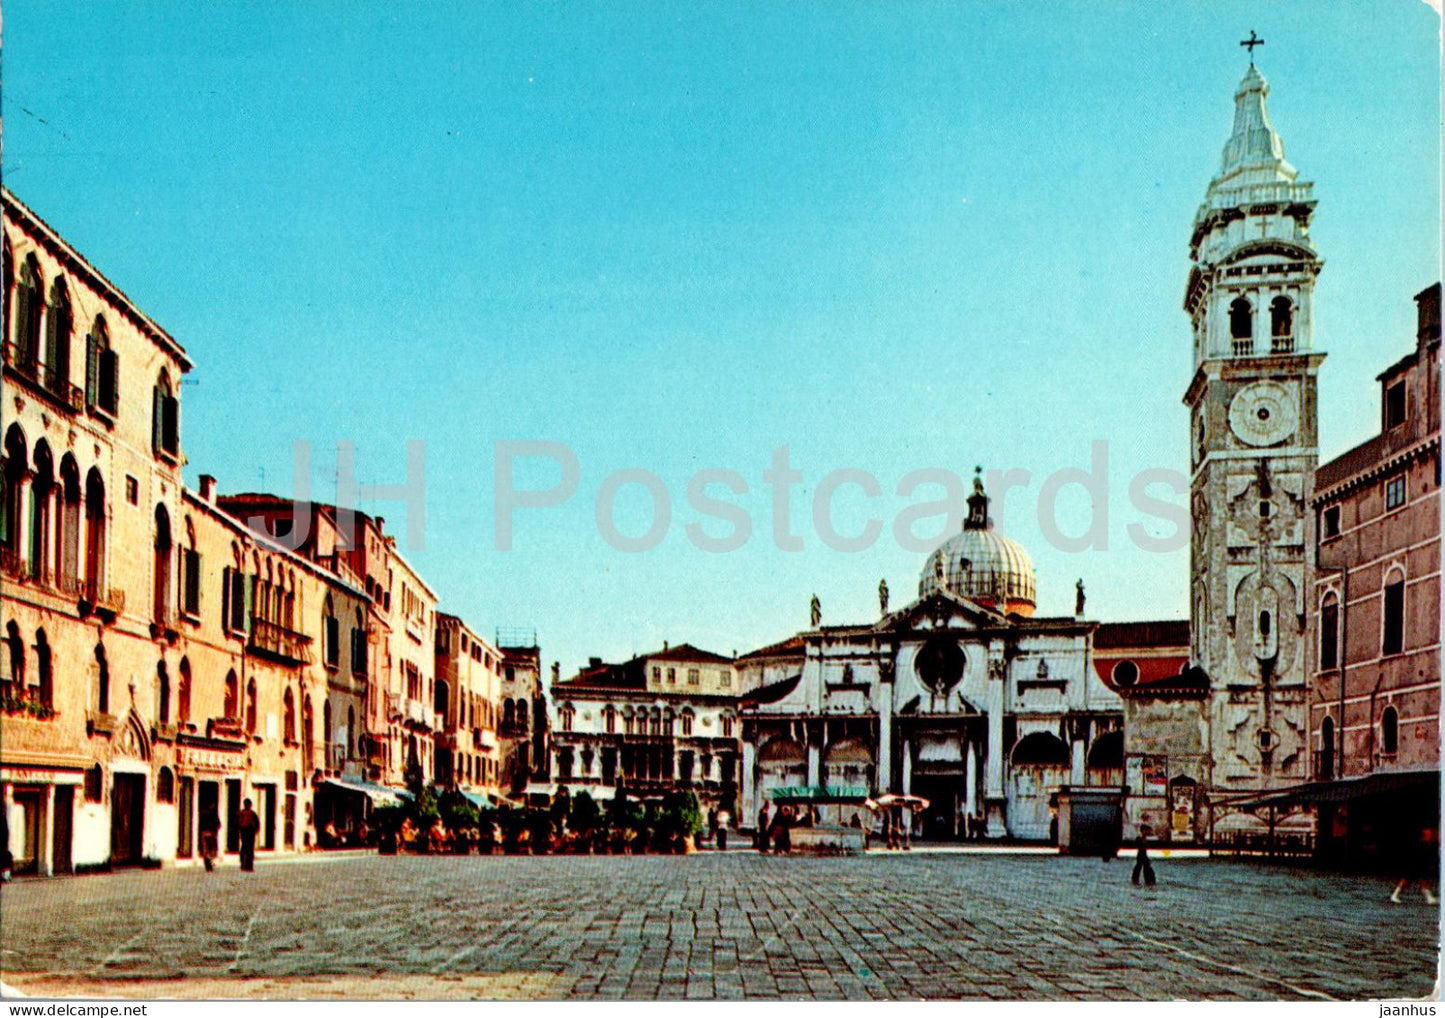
248,825
774,830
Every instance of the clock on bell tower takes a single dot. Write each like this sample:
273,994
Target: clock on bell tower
1253,451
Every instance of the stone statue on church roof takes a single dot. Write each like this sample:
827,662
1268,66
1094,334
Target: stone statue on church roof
883,597
815,611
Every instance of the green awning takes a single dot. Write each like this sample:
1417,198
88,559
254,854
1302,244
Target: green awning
820,793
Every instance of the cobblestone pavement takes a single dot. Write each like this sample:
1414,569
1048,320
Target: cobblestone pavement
708,926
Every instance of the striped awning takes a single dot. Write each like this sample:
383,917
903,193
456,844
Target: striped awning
820,793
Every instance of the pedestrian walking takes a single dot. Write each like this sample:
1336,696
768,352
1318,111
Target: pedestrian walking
721,836
210,828
780,833
763,831
247,825
5,861
1142,867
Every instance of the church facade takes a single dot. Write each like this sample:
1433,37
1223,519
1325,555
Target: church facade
963,697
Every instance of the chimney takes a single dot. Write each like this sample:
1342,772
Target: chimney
1428,303
664,645
208,489
594,662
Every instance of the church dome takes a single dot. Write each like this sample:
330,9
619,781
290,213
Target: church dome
981,564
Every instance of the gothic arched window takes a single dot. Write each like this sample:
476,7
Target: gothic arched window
59,324
12,516
165,418
183,692
42,488
29,303
163,694
69,537
251,706
162,571
102,680
45,679
15,645
94,534
232,706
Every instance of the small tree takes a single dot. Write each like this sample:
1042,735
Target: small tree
584,820
561,807
539,825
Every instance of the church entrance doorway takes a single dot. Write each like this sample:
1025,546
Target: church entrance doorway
945,794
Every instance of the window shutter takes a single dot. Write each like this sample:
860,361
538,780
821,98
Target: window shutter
248,595
52,342
157,412
226,598
110,384
92,371
193,581
22,320
171,424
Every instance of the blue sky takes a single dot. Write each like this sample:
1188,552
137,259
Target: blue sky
891,236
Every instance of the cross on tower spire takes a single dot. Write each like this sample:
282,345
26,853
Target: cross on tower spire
1250,44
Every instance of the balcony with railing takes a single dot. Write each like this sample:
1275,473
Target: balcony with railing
273,640
1281,344
22,361
19,700
12,564
25,364
72,397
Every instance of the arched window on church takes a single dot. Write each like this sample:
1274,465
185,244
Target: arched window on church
1281,324
1241,326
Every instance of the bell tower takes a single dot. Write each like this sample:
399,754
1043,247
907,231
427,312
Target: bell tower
1253,450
